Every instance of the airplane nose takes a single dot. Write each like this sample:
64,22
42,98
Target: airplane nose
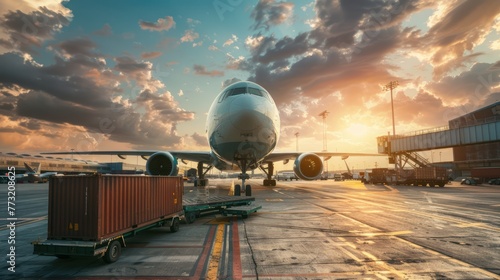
244,112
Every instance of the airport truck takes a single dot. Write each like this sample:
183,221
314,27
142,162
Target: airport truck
93,215
421,176
432,176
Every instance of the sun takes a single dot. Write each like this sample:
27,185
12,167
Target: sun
358,130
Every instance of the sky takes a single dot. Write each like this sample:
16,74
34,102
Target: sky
108,75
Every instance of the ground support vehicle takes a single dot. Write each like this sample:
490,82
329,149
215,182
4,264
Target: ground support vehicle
432,176
421,176
196,206
92,215
242,211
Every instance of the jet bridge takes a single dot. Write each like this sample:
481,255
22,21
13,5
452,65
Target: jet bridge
406,146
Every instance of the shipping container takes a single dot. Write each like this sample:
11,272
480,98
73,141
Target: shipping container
91,215
102,206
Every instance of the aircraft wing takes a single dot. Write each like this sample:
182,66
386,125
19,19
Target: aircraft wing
280,156
187,155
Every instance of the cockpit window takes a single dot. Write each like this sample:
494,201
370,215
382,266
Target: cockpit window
236,91
254,91
243,90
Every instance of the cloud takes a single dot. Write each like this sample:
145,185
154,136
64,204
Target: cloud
472,86
80,93
105,31
162,24
456,30
150,55
27,31
140,71
230,82
201,70
230,41
268,13
189,36
200,140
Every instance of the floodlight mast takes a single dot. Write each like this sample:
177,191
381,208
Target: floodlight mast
397,159
297,141
323,115
389,87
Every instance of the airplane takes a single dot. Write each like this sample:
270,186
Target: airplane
34,175
243,128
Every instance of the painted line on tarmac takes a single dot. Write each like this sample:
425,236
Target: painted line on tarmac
237,267
215,256
200,266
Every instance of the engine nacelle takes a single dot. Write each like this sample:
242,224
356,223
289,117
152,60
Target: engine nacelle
162,163
308,166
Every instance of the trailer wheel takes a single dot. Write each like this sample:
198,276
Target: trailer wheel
190,217
441,185
175,225
114,251
237,190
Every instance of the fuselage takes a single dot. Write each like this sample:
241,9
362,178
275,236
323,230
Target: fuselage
243,124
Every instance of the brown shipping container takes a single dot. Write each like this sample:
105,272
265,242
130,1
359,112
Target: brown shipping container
431,173
98,207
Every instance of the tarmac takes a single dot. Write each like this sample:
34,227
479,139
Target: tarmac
305,230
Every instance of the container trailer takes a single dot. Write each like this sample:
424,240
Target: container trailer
92,215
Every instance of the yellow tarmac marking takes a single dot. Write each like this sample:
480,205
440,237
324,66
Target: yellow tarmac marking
213,265
393,233
465,225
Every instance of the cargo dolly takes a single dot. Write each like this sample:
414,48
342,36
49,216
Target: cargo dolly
109,249
235,205
92,215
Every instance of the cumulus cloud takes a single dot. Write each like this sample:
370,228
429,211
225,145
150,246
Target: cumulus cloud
270,12
105,31
346,58
162,24
150,55
457,30
201,70
81,94
27,31
230,41
189,36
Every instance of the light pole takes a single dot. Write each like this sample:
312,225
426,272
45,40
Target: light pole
390,86
323,115
297,141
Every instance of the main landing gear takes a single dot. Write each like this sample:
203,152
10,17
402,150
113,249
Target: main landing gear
269,170
201,181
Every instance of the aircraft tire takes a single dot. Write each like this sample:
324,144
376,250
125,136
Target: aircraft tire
237,190
248,190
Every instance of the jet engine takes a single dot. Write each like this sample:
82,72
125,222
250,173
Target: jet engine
162,163
308,166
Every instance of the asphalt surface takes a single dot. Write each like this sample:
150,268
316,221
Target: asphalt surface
305,230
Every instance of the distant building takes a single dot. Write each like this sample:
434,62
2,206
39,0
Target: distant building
479,156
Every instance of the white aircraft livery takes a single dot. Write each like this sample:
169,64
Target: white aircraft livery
243,128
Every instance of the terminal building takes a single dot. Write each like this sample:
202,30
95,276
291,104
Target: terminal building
62,165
